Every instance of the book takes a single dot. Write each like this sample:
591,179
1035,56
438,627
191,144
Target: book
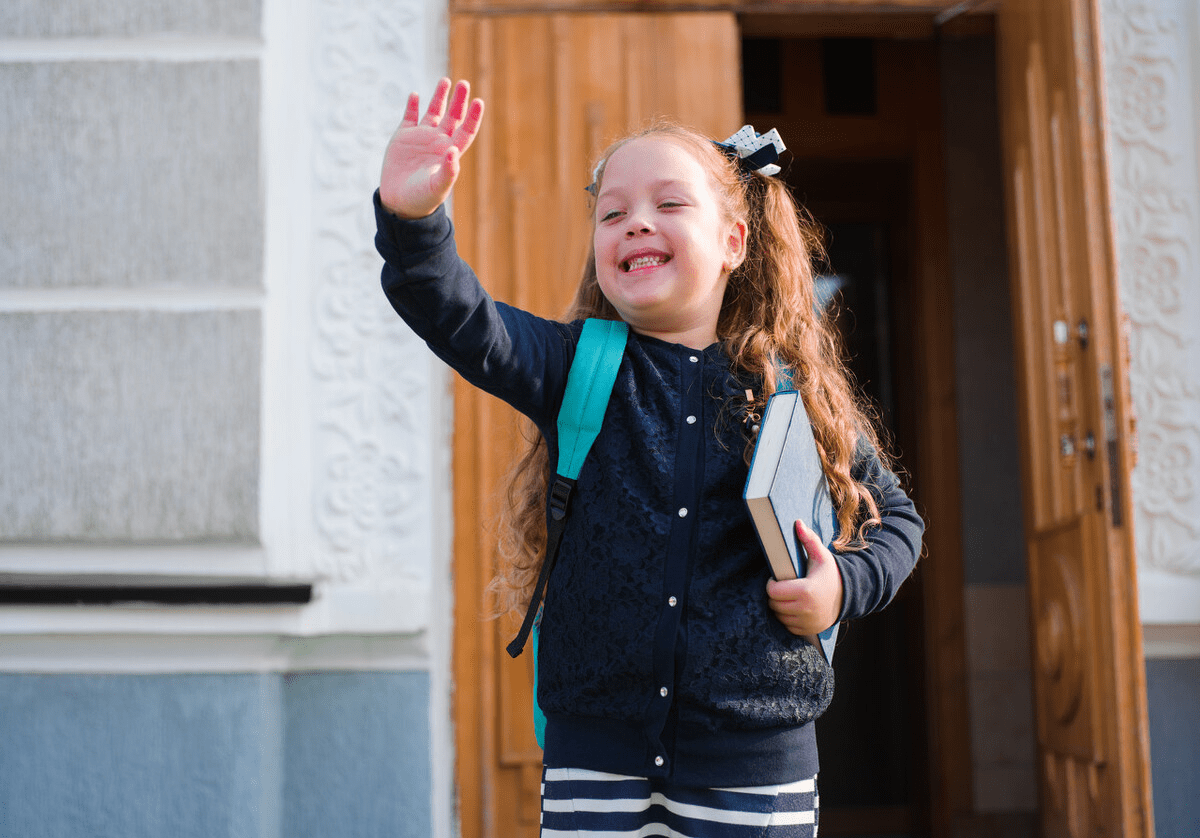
787,483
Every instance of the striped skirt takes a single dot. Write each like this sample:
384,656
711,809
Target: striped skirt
577,803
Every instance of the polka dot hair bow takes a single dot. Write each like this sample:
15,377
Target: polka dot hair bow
755,152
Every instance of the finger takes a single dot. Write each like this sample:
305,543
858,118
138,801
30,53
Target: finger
412,111
465,135
458,104
788,592
437,104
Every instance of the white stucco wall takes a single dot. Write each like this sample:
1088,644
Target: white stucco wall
1153,87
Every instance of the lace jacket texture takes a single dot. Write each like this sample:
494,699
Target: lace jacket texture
659,655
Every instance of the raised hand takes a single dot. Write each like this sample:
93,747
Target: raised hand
421,163
810,605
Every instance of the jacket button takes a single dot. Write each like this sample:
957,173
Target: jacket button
691,420
683,512
694,359
663,692
659,761
672,602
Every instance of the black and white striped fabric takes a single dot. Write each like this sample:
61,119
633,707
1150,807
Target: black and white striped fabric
577,803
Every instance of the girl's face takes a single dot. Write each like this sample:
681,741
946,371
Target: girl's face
663,249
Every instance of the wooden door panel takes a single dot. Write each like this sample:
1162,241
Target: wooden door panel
559,88
1088,670
1064,639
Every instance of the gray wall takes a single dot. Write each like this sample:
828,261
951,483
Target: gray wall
215,756
1173,693
132,219
133,297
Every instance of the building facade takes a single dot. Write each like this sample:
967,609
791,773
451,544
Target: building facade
218,436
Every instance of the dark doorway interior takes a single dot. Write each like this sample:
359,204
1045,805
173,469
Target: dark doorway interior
874,738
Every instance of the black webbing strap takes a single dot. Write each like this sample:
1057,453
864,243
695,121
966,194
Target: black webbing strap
560,496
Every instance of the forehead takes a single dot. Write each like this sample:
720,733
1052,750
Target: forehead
654,158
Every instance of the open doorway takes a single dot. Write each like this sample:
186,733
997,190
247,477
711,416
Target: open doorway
877,125
1070,562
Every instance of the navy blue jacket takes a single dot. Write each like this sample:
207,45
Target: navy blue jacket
659,655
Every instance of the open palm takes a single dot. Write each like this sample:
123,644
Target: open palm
421,163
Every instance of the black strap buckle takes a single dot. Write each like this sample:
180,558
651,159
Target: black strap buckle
560,499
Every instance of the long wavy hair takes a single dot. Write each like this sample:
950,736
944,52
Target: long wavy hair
769,318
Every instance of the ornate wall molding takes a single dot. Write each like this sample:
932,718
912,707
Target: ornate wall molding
372,377
1153,158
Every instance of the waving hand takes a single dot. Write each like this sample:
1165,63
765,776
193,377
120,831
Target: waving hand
421,163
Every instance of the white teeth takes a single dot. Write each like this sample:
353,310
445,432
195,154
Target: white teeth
645,262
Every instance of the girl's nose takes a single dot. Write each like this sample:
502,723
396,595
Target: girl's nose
638,226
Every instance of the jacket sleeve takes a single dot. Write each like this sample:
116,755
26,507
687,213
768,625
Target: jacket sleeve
872,576
503,350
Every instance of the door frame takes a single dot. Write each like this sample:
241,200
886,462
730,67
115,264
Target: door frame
942,579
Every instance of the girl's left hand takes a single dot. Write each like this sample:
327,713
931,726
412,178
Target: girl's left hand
810,605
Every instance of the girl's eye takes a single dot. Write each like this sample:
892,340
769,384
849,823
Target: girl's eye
610,215
670,204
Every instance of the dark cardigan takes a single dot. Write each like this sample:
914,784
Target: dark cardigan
659,655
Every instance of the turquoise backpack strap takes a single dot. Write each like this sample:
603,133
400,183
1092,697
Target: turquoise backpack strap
589,386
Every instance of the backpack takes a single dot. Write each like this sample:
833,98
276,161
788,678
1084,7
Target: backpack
589,385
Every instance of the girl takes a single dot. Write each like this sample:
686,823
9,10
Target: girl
678,691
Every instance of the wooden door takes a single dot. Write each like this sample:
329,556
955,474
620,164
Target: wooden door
559,88
1089,680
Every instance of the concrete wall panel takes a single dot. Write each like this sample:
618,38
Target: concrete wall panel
215,756
129,426
362,740
127,18
130,174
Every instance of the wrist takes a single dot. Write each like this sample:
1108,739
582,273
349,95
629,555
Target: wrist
391,207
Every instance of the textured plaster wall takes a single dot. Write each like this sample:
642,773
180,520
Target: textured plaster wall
38,19
130,174
133,209
1172,688
215,756
1153,90
129,426
201,376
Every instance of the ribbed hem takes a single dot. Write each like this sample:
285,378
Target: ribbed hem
699,758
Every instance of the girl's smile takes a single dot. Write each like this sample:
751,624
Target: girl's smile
644,259
663,250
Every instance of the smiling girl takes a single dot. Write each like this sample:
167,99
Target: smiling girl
678,690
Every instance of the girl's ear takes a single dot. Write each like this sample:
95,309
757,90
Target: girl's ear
735,245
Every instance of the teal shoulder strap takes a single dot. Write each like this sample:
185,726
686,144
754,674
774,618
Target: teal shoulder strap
589,384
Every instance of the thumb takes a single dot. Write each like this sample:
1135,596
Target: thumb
811,542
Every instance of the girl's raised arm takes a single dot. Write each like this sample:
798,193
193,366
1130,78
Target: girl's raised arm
422,158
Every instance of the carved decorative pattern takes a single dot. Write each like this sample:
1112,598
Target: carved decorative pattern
370,484
1060,654
1155,198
